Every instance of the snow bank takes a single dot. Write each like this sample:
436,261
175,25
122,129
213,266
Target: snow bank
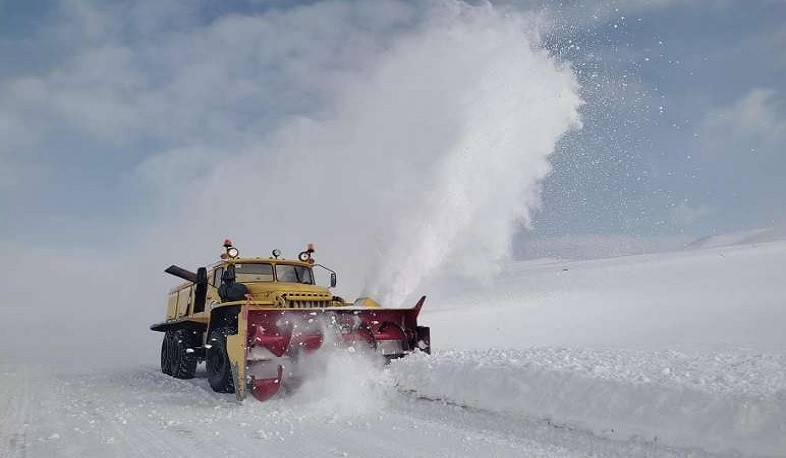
717,402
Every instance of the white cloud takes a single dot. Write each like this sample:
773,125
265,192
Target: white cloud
230,80
754,122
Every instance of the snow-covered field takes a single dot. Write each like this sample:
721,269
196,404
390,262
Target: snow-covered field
717,299
674,354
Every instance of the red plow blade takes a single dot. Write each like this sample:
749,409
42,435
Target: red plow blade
276,339
266,388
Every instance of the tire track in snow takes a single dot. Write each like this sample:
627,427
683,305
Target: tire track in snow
174,429
502,422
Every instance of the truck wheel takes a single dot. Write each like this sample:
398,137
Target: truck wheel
166,363
219,371
183,364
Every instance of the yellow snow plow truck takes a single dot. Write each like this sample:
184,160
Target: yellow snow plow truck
251,319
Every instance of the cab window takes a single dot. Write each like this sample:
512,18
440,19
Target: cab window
294,274
216,281
249,273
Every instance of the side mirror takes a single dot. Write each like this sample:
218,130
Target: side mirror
332,274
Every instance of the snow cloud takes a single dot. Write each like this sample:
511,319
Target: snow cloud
436,149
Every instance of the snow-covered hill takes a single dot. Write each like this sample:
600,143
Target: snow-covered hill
752,236
712,299
673,354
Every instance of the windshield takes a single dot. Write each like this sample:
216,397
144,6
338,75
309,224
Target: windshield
294,274
248,273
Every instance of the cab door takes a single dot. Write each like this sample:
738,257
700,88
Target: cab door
213,282
184,299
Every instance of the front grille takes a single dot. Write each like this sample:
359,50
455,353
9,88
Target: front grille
307,300
307,304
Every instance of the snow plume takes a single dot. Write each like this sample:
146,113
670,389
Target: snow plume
431,152
508,104
340,379
339,383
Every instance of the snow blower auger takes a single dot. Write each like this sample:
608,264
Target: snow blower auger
251,320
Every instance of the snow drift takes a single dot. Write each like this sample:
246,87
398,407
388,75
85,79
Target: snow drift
717,402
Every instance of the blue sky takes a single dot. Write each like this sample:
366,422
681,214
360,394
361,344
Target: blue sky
108,109
666,151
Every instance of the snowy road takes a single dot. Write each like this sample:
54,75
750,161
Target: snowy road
590,367
139,412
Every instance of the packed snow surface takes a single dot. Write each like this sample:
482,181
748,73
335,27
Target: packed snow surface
674,354
140,412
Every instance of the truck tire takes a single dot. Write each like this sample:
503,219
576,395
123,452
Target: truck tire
183,364
219,370
166,360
